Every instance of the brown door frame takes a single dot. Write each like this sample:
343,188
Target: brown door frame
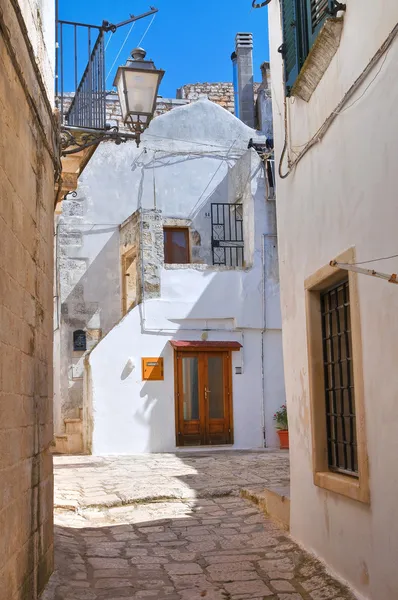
227,366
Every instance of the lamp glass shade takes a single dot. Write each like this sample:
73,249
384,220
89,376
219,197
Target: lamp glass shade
137,89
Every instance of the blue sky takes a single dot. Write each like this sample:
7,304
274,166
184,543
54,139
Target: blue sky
192,40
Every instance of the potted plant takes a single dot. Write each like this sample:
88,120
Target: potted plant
280,418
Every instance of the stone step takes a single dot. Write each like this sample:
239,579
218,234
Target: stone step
60,444
71,443
73,426
274,501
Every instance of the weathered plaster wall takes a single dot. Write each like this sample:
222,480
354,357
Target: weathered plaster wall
343,194
26,289
189,158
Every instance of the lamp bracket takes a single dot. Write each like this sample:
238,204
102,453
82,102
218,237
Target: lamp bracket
76,139
107,26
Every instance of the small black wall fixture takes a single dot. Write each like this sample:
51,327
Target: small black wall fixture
79,340
255,5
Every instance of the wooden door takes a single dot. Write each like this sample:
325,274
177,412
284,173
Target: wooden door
203,398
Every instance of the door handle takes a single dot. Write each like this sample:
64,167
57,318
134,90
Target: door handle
207,392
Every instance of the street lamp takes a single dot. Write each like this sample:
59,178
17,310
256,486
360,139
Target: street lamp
137,84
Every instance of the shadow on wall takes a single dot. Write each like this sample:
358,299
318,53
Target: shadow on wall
98,290
156,404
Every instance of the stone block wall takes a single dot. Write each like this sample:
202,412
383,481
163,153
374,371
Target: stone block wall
219,93
152,252
27,162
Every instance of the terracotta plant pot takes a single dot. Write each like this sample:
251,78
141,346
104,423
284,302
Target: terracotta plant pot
283,439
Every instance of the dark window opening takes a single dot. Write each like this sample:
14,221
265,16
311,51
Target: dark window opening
227,234
79,340
339,380
176,245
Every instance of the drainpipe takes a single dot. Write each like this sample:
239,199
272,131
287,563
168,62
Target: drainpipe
263,238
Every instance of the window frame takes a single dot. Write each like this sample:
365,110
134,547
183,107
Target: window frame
356,488
167,228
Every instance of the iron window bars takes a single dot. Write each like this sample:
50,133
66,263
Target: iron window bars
339,380
79,340
227,234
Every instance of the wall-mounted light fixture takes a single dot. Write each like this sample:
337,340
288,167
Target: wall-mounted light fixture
137,85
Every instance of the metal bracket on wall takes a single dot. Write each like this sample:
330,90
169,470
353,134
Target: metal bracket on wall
393,278
336,7
76,139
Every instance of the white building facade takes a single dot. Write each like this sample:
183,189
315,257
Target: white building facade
335,138
168,266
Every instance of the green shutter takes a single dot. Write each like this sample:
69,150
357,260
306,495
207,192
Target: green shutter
290,49
317,12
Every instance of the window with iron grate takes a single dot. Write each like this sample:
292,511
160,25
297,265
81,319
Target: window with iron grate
339,380
301,23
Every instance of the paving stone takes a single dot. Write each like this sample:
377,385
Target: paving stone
282,586
113,583
108,563
314,583
248,587
203,546
183,568
325,593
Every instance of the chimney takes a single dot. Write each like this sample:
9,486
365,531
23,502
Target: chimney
242,59
265,76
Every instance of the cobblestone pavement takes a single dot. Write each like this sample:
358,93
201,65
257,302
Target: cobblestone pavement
84,481
216,549
211,546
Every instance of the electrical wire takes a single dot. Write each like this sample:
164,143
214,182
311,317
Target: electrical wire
365,262
109,39
146,30
369,85
147,134
192,212
120,51
318,136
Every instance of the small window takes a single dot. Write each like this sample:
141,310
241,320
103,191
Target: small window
79,341
339,380
336,389
176,245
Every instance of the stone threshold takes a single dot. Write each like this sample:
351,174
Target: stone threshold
274,501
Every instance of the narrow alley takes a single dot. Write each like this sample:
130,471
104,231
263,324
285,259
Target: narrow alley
175,527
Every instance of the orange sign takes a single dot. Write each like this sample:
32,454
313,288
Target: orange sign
152,369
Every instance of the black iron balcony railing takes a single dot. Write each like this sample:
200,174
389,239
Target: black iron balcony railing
80,85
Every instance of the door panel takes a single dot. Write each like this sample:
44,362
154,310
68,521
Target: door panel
203,398
190,387
190,412
215,391
218,426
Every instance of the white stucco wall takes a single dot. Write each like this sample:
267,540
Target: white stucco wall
343,194
189,158
131,416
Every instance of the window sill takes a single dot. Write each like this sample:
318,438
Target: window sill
201,267
343,485
319,58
